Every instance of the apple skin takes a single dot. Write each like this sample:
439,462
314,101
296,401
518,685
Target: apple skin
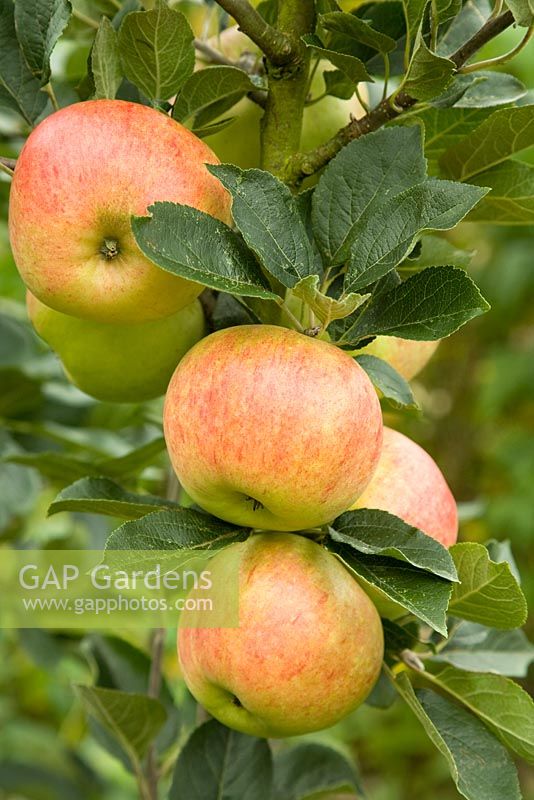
119,363
80,176
409,484
308,649
240,143
407,356
266,427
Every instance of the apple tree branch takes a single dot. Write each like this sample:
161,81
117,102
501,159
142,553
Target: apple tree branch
301,165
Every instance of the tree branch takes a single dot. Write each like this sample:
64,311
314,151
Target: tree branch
304,164
213,56
276,45
281,124
154,686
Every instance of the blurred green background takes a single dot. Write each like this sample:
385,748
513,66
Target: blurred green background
477,397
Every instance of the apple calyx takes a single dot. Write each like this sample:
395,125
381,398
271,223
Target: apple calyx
110,249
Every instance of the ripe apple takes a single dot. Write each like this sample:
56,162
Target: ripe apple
240,143
409,484
266,427
81,175
309,645
119,363
407,356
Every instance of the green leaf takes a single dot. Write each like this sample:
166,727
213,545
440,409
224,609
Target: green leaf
133,719
17,342
479,765
209,93
105,61
429,305
523,11
383,240
122,666
351,66
414,11
19,487
358,29
424,595
196,246
217,762
503,706
172,530
132,462
480,649
311,769
391,385
428,74
511,199
156,49
265,212
23,89
356,182
337,84
56,466
39,24
501,550
487,593
469,17
326,308
436,252
483,89
444,127
103,496
505,132
379,533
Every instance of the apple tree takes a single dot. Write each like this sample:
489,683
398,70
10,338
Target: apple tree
251,217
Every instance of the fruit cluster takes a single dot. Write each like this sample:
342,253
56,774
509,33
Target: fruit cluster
266,428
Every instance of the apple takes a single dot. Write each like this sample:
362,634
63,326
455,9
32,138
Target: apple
267,427
409,484
308,649
119,363
81,175
407,356
239,143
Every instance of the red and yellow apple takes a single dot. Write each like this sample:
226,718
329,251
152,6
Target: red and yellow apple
240,142
407,356
119,363
83,172
309,645
409,484
269,428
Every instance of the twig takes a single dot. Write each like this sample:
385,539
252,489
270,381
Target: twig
92,23
276,45
154,686
7,166
212,55
494,62
301,165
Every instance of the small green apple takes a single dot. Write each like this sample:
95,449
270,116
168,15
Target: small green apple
119,363
309,645
266,427
240,143
409,484
407,356
81,175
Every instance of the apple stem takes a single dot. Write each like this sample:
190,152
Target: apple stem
5,168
